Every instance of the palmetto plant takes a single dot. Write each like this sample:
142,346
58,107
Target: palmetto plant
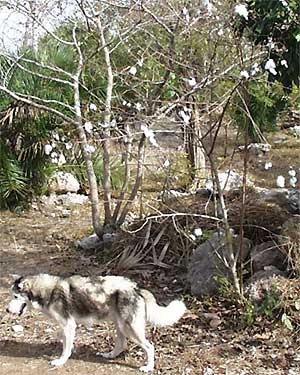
23,132
13,184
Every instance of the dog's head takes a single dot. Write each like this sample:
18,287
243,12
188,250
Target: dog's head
20,297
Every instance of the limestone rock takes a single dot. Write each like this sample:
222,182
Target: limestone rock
63,182
229,181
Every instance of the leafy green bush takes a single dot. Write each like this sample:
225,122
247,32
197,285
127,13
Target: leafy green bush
265,102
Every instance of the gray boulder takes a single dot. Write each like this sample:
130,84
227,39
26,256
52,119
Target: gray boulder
208,262
294,201
260,284
288,199
268,254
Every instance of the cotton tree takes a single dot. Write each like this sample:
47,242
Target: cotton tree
111,69
275,25
88,37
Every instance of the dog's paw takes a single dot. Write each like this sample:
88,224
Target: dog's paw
146,368
108,355
58,362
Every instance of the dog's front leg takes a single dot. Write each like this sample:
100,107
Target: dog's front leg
69,329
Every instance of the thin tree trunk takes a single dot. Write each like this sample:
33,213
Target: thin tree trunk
138,180
105,134
126,174
194,149
231,257
84,146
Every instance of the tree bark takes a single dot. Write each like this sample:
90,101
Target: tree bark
98,228
105,133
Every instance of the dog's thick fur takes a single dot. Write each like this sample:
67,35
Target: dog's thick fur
88,299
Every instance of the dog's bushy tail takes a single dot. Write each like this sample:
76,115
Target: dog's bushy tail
159,315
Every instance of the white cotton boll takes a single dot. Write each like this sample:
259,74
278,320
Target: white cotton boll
93,107
268,165
270,66
128,105
198,232
241,10
280,181
209,6
54,157
244,74
61,159
292,173
166,163
293,181
133,70
55,136
192,82
284,63
149,134
48,148
185,12
138,107
220,32
254,69
90,149
124,102
140,62
88,126
270,44
113,123
68,145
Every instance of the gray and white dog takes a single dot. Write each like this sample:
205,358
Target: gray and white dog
78,299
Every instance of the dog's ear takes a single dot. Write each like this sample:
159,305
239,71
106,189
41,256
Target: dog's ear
15,276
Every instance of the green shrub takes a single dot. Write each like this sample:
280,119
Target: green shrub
265,102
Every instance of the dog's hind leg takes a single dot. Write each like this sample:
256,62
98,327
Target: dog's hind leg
139,337
120,345
69,328
136,332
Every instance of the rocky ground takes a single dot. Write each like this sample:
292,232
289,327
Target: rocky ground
34,242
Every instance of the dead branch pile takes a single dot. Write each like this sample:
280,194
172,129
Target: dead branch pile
263,221
166,238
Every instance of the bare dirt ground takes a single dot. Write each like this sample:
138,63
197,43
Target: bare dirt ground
33,242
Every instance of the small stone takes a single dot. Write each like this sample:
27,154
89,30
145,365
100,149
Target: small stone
215,323
17,328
